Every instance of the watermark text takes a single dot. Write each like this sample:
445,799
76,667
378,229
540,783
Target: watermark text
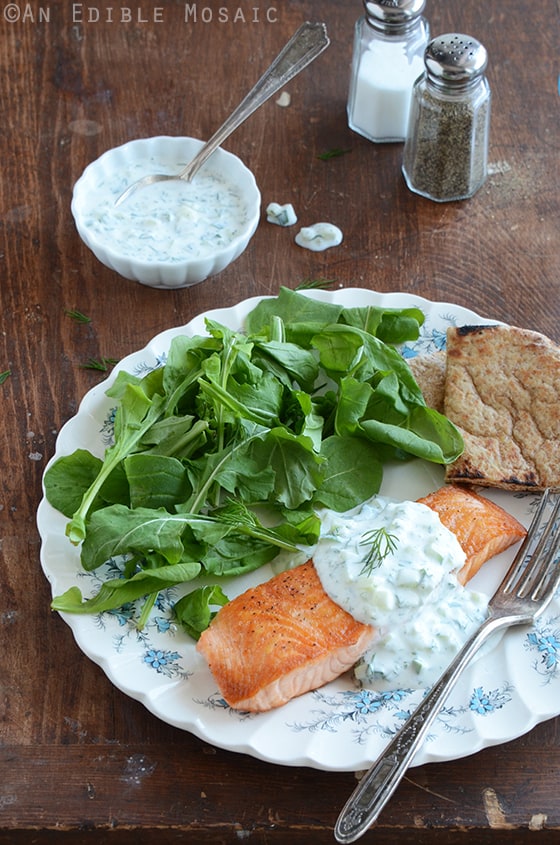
190,13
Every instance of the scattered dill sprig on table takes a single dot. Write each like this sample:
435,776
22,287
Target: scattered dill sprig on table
314,284
78,316
101,364
336,152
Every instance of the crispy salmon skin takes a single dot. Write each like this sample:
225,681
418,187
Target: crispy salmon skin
281,639
482,528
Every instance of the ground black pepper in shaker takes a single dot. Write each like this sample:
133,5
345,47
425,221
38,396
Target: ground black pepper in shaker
446,149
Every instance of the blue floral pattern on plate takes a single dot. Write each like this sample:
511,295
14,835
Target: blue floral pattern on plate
545,641
339,727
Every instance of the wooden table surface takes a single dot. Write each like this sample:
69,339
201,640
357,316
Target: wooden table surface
80,762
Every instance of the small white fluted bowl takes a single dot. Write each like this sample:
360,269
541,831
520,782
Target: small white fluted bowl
106,178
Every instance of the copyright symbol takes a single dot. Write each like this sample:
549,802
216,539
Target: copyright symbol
12,12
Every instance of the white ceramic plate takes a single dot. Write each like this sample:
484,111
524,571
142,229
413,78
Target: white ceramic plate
509,689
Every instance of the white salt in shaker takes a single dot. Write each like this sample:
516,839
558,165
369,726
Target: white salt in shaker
388,56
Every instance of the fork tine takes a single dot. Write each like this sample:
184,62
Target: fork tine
547,551
518,562
544,557
550,578
540,549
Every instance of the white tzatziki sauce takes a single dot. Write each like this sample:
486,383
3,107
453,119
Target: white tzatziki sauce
281,215
393,565
167,221
319,236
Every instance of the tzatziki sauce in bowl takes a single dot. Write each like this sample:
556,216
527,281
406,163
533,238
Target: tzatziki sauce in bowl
170,234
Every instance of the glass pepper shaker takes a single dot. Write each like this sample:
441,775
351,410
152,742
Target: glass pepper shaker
389,44
445,155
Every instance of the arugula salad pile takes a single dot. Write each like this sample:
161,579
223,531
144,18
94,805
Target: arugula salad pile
222,457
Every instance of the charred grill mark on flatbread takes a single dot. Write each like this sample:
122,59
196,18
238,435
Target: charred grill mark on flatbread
462,331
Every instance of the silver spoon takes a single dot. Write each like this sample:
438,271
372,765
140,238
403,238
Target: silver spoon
303,47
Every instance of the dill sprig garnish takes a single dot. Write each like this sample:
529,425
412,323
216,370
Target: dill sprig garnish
381,543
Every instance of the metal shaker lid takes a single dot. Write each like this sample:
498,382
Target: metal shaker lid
389,14
455,59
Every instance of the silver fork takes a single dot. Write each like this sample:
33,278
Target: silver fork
526,590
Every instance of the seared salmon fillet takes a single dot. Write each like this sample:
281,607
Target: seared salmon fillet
286,636
482,528
281,639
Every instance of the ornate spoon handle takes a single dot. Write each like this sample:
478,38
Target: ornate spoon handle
303,47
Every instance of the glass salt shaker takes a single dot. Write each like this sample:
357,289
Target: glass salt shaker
445,155
389,44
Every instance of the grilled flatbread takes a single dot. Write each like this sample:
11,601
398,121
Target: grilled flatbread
502,390
429,372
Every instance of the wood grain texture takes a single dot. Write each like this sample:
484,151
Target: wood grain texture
79,761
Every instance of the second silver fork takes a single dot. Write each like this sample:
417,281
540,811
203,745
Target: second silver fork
524,593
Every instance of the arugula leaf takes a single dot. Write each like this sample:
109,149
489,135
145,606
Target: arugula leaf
353,473
400,327
116,592
380,414
303,316
311,421
156,480
301,526
194,611
68,478
412,442
354,398
341,349
346,350
154,532
392,326
239,469
215,469
178,437
297,467
262,397
231,408
134,416
183,367
118,530
300,364
236,555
